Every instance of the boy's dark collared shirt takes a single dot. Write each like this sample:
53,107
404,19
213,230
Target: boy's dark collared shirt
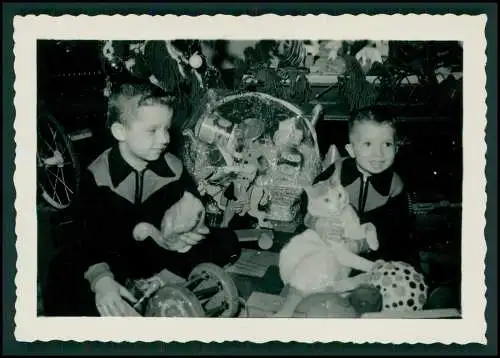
116,197
119,169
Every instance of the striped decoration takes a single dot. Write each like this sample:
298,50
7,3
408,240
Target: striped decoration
293,53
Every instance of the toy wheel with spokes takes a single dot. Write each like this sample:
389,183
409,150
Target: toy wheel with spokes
58,171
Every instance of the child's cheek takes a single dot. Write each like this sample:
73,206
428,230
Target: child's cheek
149,140
362,151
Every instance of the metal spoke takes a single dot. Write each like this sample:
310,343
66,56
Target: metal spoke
54,186
61,151
62,182
55,151
65,187
46,143
40,161
53,135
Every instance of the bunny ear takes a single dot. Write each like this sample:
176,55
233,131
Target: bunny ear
342,191
333,181
309,190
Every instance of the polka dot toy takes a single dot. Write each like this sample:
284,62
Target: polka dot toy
402,288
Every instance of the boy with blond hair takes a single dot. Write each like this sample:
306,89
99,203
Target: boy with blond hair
135,181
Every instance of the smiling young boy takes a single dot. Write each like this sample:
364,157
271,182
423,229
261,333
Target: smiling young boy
137,180
375,190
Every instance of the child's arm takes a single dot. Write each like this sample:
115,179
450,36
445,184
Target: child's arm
393,223
105,236
399,209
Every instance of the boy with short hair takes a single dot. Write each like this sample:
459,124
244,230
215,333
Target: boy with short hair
375,190
135,181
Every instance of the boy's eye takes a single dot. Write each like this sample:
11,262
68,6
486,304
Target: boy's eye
389,144
154,130
367,144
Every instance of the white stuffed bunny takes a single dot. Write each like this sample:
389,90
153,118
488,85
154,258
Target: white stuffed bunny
313,261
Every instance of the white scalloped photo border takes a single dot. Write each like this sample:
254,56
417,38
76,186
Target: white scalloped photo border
468,29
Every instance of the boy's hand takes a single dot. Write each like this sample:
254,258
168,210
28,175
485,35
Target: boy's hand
109,301
327,229
371,236
191,238
378,264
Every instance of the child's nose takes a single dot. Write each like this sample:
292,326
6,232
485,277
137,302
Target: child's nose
164,137
378,150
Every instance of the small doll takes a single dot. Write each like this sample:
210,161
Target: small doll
238,193
313,262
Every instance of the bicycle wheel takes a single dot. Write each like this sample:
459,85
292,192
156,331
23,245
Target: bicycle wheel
58,171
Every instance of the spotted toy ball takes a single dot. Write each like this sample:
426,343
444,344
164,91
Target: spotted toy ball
402,287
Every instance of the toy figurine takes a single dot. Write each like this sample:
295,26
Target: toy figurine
241,186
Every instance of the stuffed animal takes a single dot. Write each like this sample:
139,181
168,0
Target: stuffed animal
186,217
331,215
311,262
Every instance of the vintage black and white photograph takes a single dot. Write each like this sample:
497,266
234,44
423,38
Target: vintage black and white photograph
306,178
